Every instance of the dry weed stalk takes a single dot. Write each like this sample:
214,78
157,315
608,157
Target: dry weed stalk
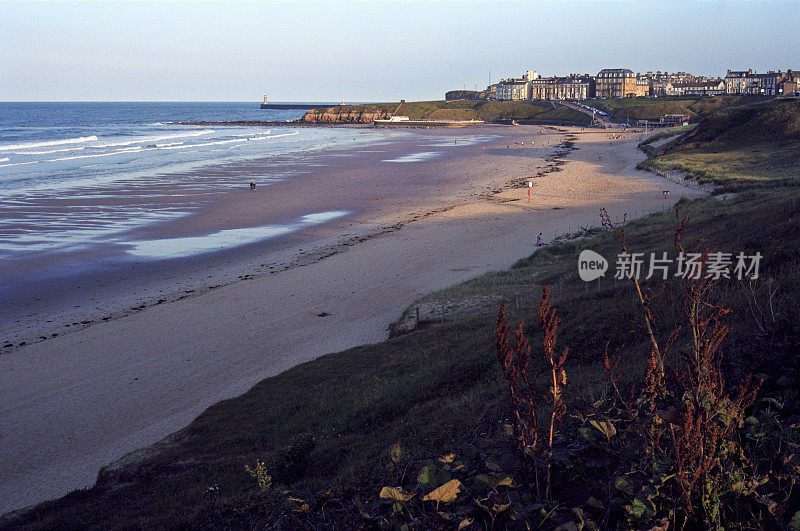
709,417
550,328
703,420
514,362
760,294
655,365
611,366
524,392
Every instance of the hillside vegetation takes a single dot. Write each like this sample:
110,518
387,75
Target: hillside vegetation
756,145
621,110
697,107
488,111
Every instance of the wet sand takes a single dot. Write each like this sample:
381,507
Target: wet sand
138,369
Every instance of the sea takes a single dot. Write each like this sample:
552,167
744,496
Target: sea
77,174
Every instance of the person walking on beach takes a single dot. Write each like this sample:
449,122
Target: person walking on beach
539,241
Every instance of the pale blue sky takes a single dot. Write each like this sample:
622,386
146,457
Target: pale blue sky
366,51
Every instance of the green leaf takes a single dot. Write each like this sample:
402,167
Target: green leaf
794,523
447,493
431,476
395,494
641,509
605,427
494,481
624,484
771,401
594,502
491,464
770,504
585,521
399,454
500,507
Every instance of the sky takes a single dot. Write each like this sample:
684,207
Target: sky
367,51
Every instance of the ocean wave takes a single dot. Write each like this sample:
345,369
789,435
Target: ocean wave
19,163
29,145
268,131
129,150
4,159
151,139
284,134
219,142
139,149
231,141
74,148
187,146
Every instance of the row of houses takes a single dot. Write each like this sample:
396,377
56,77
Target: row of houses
770,84
624,83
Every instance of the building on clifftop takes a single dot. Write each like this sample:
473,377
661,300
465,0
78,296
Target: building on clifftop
616,83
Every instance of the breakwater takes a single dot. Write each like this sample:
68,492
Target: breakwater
296,106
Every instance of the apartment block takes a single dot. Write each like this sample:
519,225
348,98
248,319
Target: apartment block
616,83
697,88
514,89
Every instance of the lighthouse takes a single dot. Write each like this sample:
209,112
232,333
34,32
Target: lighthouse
265,99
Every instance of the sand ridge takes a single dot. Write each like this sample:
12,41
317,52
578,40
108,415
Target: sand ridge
80,400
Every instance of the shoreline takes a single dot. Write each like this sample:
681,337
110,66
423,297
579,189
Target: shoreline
173,359
327,174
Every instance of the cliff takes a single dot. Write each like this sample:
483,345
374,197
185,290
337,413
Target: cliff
334,115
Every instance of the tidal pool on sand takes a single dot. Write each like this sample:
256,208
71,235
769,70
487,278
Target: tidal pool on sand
224,239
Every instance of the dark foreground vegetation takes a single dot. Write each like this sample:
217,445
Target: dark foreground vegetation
675,405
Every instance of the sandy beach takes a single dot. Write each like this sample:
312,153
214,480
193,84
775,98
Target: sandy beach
114,360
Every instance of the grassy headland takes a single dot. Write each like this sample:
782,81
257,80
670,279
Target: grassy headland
697,107
755,145
488,111
620,109
439,389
